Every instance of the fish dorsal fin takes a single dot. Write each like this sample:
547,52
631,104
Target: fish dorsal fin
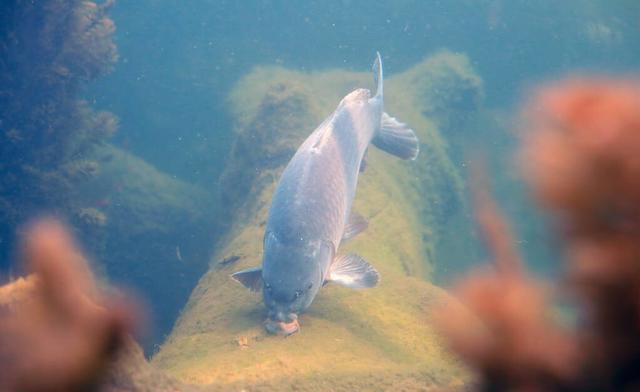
377,75
250,278
353,271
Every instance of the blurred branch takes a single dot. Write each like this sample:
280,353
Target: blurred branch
492,226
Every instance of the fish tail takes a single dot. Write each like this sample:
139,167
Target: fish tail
394,137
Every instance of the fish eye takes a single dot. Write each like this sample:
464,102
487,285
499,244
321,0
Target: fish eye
310,286
268,287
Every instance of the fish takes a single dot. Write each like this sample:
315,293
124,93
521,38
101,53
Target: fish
310,213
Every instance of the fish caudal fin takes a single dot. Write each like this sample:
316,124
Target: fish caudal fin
250,278
353,271
397,138
356,225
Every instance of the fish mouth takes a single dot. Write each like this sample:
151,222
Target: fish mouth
277,327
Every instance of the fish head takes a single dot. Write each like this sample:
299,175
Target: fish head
293,272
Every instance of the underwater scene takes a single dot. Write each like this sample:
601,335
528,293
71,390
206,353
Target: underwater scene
339,195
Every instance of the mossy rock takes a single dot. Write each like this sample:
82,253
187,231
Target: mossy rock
375,339
148,229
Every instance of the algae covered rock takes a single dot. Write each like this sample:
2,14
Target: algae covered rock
150,231
50,50
447,88
131,372
376,339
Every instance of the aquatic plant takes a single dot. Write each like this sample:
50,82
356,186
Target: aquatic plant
580,156
49,50
56,158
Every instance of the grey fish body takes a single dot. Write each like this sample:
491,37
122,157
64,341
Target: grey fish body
311,207
313,200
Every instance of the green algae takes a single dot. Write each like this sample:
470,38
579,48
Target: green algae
50,50
374,339
142,198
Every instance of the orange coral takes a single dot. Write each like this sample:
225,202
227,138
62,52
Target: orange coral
506,316
596,191
506,333
581,153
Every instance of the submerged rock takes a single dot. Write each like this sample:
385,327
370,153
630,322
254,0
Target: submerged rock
376,339
149,230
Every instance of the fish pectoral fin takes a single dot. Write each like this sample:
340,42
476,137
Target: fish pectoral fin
250,278
353,271
356,225
396,138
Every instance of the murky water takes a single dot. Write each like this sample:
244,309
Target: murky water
161,139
